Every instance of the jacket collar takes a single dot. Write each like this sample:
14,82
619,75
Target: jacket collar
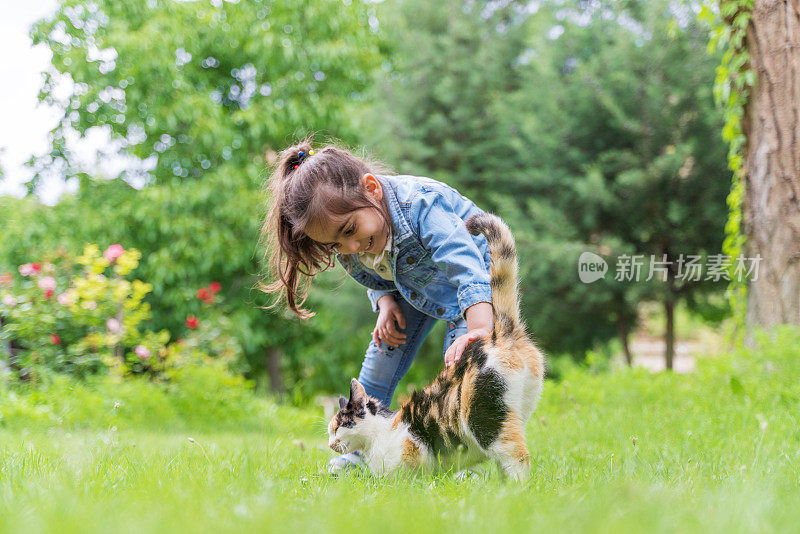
402,229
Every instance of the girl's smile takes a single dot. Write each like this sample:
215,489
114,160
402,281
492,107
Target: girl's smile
361,230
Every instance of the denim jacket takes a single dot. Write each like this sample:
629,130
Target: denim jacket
437,265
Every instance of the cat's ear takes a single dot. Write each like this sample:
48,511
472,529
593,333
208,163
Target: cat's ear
342,402
358,395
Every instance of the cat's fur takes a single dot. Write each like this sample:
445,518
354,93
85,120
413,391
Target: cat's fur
475,409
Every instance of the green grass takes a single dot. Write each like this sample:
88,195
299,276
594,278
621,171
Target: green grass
715,451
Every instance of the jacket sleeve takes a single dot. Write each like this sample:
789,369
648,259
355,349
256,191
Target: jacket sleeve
453,249
374,295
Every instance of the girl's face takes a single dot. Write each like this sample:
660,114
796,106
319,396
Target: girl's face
362,230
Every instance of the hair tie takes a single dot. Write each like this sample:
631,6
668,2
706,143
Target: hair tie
302,156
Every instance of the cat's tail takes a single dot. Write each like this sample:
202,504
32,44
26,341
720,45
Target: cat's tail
503,273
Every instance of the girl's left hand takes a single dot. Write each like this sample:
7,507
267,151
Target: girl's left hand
454,352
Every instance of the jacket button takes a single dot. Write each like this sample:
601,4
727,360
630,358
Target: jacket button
414,296
440,311
410,260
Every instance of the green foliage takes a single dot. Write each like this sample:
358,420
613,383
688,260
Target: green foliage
460,104
626,451
601,140
732,87
199,86
190,236
641,137
202,93
550,133
203,395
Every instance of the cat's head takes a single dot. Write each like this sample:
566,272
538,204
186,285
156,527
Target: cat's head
350,427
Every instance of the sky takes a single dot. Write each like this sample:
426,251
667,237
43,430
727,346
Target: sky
23,122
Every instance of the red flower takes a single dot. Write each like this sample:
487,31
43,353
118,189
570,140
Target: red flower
214,287
192,322
48,293
36,267
54,339
205,296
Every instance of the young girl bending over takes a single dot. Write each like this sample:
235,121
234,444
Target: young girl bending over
403,237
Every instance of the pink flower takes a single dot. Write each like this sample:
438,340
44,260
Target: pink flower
113,252
142,352
5,279
113,325
192,322
9,301
67,298
48,282
30,269
54,339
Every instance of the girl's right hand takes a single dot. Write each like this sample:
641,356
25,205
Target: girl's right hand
385,328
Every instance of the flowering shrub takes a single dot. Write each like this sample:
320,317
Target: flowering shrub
79,315
83,315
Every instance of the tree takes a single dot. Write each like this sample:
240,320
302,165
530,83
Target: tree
457,104
201,91
772,159
197,86
589,128
642,131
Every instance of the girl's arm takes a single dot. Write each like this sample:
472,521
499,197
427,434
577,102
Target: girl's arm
479,317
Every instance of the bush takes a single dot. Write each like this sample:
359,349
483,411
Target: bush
206,397
83,316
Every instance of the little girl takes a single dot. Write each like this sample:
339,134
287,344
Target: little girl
403,237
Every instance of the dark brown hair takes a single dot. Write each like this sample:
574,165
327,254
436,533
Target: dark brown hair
304,190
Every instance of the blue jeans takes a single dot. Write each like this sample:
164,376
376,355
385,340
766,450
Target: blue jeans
385,366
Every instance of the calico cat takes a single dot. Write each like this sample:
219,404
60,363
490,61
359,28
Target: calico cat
474,410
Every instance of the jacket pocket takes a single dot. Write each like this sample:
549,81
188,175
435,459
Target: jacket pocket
414,263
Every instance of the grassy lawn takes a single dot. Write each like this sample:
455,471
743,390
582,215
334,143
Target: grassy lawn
718,450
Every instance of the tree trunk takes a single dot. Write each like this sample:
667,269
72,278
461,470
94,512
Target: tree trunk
622,330
274,371
669,332
772,163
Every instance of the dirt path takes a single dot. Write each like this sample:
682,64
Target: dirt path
648,352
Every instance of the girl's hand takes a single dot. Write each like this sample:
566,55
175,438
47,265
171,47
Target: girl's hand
385,328
455,350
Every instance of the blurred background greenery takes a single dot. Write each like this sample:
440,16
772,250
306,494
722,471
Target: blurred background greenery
588,126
